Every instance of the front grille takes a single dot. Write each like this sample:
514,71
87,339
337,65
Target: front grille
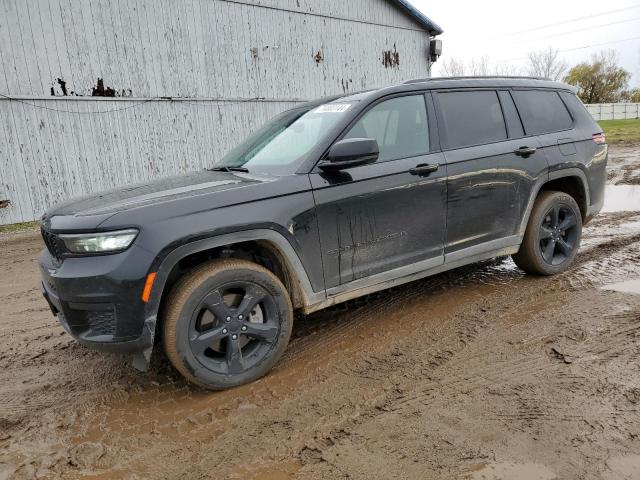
52,242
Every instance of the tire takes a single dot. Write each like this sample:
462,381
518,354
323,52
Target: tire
209,340
553,235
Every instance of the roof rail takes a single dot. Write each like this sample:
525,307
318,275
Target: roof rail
474,77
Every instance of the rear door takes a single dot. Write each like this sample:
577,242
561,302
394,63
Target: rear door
381,217
491,167
545,115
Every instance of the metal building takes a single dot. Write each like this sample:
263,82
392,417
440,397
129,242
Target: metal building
100,93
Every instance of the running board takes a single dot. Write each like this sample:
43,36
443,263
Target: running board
399,276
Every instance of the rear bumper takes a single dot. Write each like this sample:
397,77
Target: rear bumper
97,299
597,180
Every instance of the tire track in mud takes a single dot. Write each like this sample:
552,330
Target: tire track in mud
536,305
530,341
478,372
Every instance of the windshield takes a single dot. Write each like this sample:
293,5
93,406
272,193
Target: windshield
285,139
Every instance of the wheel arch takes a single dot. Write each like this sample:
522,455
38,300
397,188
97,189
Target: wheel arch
264,247
572,181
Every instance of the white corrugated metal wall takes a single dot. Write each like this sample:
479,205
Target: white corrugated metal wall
191,77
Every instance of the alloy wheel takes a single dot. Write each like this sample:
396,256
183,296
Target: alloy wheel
233,327
558,234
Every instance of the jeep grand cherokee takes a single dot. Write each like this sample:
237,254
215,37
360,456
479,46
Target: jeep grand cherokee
327,202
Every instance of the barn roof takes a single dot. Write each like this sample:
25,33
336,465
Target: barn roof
428,24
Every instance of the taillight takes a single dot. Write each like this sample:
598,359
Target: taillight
599,138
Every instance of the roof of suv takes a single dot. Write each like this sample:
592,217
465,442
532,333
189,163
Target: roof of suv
449,82
496,81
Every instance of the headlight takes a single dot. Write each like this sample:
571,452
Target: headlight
106,242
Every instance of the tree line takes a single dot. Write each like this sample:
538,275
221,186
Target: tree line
600,80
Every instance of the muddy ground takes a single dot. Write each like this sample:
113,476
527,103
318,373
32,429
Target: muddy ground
482,372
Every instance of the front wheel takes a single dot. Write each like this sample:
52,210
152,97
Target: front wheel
553,235
227,323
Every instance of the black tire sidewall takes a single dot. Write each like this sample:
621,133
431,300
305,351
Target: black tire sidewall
214,380
540,210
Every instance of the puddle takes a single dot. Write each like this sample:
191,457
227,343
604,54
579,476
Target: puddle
621,198
513,471
599,234
629,286
624,468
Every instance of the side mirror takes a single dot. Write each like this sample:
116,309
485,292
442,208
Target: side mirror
351,152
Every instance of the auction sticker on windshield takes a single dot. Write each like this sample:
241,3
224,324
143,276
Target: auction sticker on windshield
333,108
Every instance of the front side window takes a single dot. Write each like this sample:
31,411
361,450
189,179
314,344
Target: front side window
399,125
542,111
472,118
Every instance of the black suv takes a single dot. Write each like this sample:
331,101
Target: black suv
327,202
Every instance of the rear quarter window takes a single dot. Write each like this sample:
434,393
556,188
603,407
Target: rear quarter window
471,118
542,111
579,112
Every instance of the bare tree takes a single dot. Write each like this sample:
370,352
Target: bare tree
547,64
453,68
480,66
507,70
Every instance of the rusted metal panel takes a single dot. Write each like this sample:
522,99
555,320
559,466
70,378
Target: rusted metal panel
229,64
200,48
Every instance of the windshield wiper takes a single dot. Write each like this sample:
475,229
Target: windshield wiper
230,169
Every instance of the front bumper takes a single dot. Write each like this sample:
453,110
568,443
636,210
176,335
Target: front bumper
97,298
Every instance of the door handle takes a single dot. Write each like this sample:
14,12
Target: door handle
525,151
424,169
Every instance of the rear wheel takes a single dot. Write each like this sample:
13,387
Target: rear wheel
553,235
227,323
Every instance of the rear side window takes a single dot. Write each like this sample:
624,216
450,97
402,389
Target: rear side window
542,111
472,118
399,126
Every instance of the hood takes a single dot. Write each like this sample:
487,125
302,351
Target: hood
103,205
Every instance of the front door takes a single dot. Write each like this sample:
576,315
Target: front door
388,215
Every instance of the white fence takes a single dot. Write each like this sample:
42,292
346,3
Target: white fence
614,111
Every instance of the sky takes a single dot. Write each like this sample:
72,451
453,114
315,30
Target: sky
505,31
